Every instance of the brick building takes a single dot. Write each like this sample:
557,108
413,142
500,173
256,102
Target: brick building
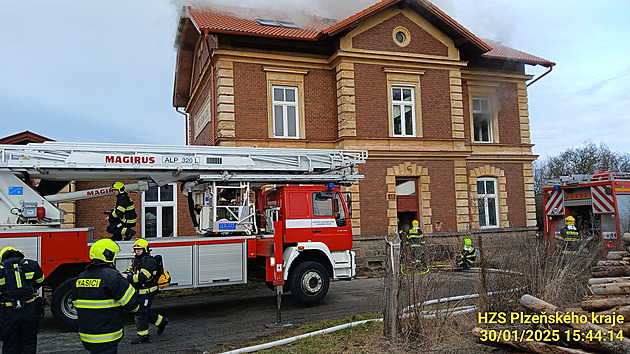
443,113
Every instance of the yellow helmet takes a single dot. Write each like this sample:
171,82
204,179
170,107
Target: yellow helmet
6,249
467,242
569,220
415,223
119,186
105,250
141,243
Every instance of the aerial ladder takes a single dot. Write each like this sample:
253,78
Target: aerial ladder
238,198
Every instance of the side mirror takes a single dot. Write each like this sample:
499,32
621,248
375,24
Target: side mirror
348,197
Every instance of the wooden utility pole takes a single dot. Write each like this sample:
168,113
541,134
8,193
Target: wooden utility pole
391,321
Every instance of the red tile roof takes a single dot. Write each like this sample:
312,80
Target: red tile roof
499,51
216,21
24,137
341,25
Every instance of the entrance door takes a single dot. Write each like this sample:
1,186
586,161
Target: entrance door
407,203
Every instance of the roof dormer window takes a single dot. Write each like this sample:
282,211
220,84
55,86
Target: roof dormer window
274,23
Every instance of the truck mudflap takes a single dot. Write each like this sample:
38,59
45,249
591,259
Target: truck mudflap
342,263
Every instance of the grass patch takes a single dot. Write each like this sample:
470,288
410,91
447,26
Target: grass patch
368,338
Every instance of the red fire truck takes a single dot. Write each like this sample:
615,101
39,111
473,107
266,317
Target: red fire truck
274,214
600,203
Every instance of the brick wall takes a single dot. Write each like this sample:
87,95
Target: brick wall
515,191
205,136
373,194
370,84
380,38
320,105
509,122
436,104
250,101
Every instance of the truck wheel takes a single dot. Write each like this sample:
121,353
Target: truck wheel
309,282
61,305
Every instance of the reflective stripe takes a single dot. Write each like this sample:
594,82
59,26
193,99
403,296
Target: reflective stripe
39,280
131,221
29,275
131,207
128,294
147,291
571,239
135,278
18,279
159,320
569,252
145,272
2,281
143,333
136,309
121,208
10,304
101,338
95,304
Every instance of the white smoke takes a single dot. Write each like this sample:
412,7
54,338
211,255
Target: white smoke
298,11
491,19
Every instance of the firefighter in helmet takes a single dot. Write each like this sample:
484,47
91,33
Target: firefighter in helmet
20,307
415,239
100,295
142,274
468,255
569,239
123,217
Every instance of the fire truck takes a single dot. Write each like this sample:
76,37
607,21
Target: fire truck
274,214
599,202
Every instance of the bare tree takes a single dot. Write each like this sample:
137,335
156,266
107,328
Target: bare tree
585,159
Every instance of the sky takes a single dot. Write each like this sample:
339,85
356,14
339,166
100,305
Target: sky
102,71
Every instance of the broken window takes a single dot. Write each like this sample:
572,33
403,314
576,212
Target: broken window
482,119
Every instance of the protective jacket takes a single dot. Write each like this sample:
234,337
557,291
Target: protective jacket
144,270
125,211
10,283
19,309
415,237
569,240
467,257
100,296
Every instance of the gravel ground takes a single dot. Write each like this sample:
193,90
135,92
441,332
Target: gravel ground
210,321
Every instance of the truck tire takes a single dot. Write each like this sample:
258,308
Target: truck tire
309,282
61,305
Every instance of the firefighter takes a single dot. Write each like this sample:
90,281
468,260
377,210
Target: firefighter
468,255
19,280
401,231
100,295
142,274
123,217
415,239
569,239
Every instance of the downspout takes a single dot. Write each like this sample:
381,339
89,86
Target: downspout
541,76
212,92
187,123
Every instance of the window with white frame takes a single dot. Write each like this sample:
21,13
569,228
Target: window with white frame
285,112
488,202
403,115
159,211
482,119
